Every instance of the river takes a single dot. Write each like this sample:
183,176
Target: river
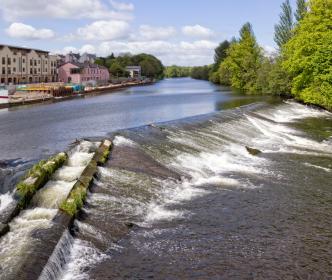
184,199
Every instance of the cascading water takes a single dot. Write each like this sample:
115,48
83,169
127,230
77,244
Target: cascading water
217,179
43,208
192,193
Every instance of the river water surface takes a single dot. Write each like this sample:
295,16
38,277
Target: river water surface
185,199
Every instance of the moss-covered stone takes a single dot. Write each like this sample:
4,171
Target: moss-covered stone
77,196
36,178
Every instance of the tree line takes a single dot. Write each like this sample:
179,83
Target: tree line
301,67
151,66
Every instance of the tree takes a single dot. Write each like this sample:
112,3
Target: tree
116,69
220,53
308,55
283,31
243,61
301,9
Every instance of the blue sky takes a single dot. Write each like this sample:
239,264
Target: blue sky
183,32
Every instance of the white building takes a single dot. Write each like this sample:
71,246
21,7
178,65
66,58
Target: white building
134,71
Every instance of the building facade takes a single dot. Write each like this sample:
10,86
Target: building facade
22,65
83,73
134,71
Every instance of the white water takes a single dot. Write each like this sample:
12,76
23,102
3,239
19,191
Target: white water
15,245
5,200
215,155
83,255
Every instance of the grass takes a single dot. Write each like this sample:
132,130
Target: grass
75,200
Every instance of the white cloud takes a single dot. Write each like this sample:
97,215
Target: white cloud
183,53
156,33
71,9
121,6
28,32
87,49
269,51
104,30
197,31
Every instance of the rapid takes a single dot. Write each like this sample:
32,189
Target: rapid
240,193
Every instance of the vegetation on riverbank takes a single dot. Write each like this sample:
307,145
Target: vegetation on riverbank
151,66
300,68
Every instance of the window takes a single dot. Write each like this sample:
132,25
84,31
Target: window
3,60
46,62
23,70
8,61
35,62
23,60
14,60
14,69
38,69
3,70
74,71
31,71
9,70
35,71
31,62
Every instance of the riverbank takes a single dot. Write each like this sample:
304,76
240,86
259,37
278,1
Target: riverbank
31,98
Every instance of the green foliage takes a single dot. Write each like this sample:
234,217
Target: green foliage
224,75
220,53
273,79
75,201
37,176
151,66
301,10
284,29
201,72
177,71
117,70
308,55
279,79
243,60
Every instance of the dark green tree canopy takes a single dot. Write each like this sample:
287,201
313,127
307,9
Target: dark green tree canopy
220,52
301,9
283,31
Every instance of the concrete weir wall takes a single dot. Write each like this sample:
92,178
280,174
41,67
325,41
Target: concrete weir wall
35,179
48,254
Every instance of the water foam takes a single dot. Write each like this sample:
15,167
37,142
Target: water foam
122,141
52,194
15,243
83,256
5,200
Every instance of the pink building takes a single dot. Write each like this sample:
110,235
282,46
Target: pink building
83,73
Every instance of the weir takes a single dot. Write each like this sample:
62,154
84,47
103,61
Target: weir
170,189
34,234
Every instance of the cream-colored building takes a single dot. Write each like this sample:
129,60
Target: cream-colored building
23,65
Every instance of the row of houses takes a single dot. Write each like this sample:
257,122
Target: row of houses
19,65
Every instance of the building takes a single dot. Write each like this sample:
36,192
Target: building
87,57
76,57
134,71
72,57
83,73
20,65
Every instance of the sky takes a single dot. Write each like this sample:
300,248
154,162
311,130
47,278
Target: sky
181,32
